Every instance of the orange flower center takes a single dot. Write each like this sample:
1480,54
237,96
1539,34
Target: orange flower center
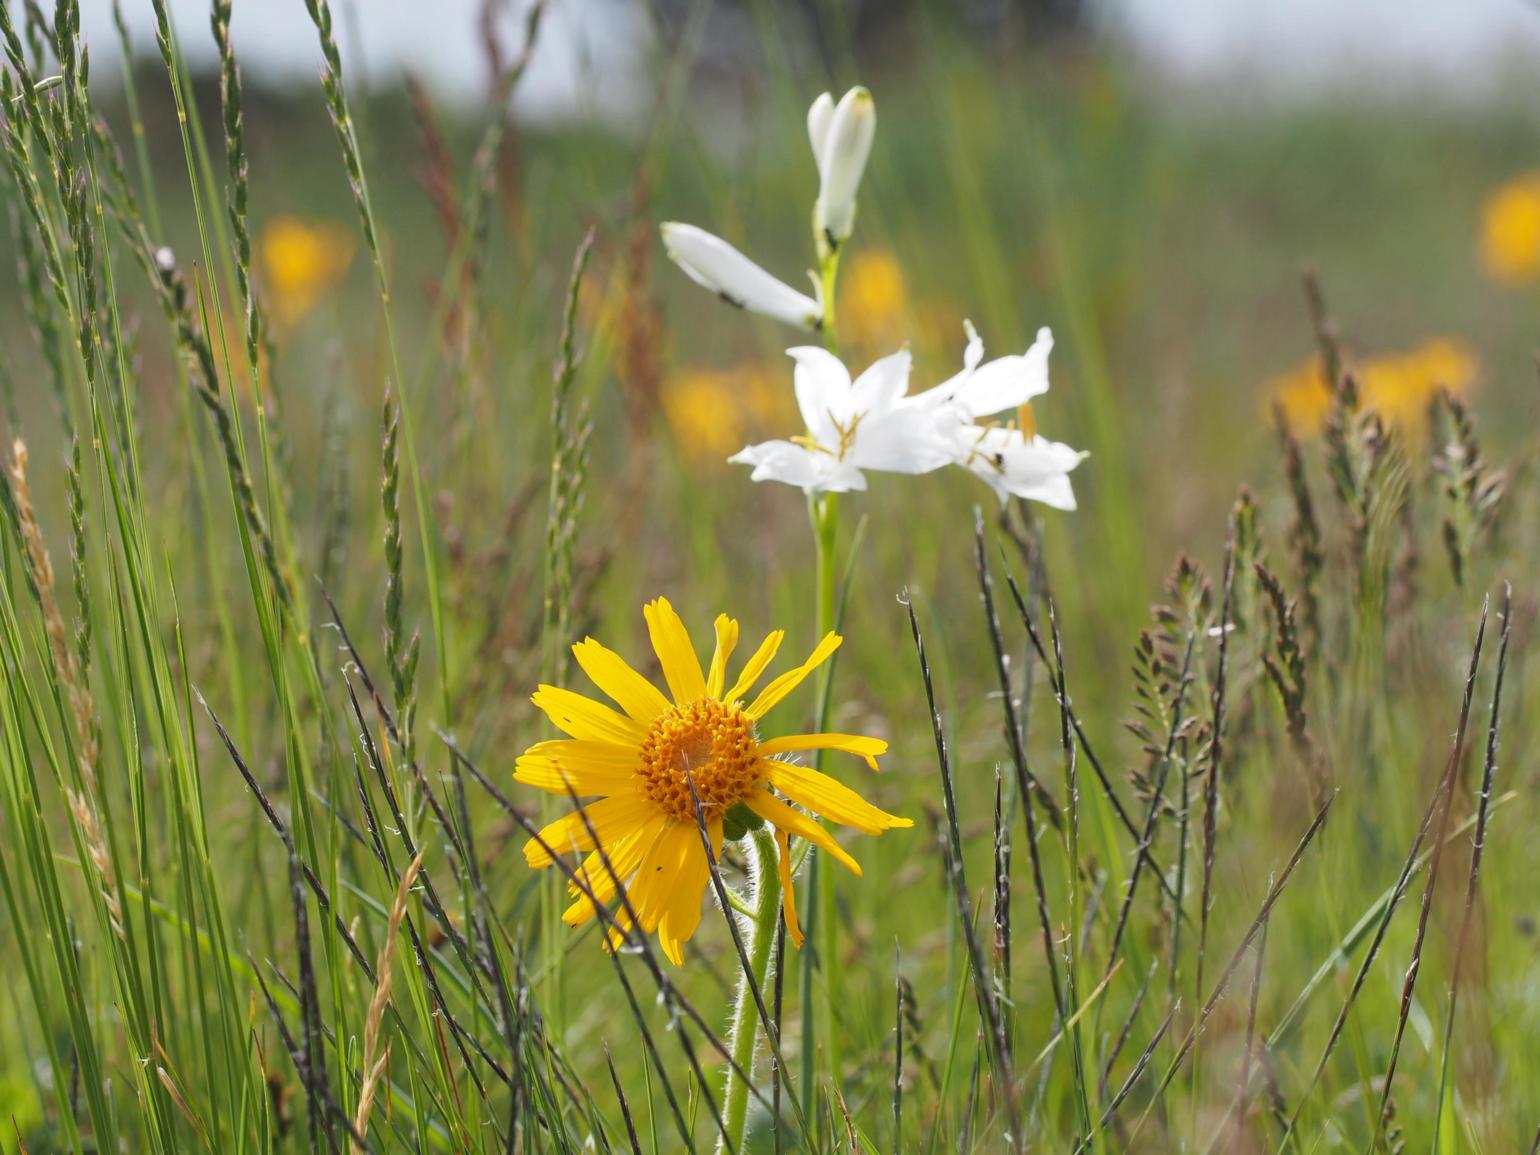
715,743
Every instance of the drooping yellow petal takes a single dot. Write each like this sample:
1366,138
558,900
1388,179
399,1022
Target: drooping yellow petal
652,889
791,679
862,747
633,693
624,855
671,641
756,665
584,718
778,814
823,795
588,768
788,893
682,915
610,818
727,642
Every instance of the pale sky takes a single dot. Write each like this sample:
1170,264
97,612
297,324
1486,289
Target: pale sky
594,54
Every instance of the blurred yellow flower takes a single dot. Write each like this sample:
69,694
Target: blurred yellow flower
1397,386
299,262
1400,388
873,300
1302,395
1510,231
711,412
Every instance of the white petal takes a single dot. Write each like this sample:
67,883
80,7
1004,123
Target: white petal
793,464
1056,492
1008,382
1037,469
820,115
974,352
882,384
822,385
902,441
847,144
711,262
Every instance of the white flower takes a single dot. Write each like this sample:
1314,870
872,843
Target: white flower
711,262
852,426
1013,461
841,136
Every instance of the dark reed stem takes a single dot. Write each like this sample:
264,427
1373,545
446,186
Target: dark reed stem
1085,743
988,999
1402,882
1478,846
1223,982
625,1107
1215,760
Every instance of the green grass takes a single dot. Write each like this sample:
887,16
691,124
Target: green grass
280,652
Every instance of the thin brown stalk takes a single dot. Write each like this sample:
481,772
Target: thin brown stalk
83,800
376,1056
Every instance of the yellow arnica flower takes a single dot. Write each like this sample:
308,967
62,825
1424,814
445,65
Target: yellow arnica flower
299,263
712,411
704,415
1510,231
1398,386
1304,395
873,298
641,760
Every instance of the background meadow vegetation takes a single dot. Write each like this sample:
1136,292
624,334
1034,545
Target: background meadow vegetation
274,600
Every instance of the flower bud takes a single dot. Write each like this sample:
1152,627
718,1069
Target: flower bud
842,140
714,264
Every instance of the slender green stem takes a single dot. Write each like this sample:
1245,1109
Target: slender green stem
745,1016
818,898
828,270
826,530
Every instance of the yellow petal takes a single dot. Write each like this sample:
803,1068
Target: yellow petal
681,668
682,915
727,642
661,871
756,665
633,693
791,679
823,795
788,893
777,813
610,818
584,718
862,747
588,753
599,877
589,768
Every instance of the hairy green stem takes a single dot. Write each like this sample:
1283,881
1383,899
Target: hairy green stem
764,866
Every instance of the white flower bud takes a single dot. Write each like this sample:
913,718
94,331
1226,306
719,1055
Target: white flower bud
846,134
714,264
